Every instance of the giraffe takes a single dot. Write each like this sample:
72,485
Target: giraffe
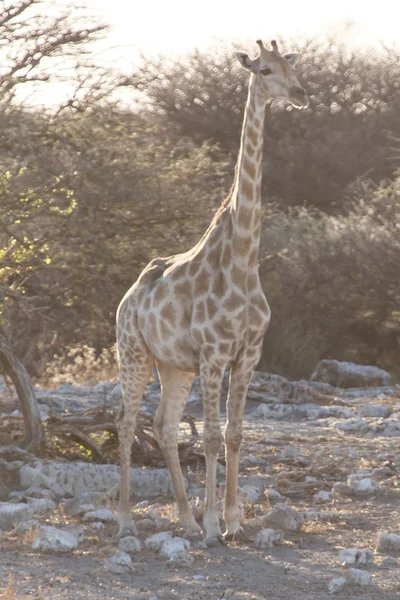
202,312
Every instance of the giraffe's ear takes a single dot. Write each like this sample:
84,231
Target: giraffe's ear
245,61
293,59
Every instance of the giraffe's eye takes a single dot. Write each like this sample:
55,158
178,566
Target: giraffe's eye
266,71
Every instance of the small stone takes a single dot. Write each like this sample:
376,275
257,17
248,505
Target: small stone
374,410
145,525
336,584
323,497
163,524
388,542
273,496
153,514
267,538
26,525
120,563
250,494
97,525
33,477
76,530
116,393
11,513
41,505
176,550
284,517
289,452
198,577
51,539
358,577
351,556
155,542
100,514
130,544
361,485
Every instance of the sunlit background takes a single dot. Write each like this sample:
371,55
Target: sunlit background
179,25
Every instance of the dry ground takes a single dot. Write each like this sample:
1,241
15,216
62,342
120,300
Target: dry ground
300,568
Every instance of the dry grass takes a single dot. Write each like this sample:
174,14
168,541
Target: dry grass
15,593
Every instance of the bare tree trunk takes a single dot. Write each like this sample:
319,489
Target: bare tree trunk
10,365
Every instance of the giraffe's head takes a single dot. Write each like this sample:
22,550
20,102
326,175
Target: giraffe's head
275,76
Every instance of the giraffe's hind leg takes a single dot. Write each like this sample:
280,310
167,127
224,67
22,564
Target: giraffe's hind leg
175,386
136,364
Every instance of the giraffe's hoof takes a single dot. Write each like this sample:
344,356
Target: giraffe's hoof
193,536
238,536
215,540
127,531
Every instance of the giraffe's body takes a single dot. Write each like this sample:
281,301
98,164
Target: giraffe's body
202,312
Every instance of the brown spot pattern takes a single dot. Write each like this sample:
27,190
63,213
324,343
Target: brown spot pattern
249,168
226,257
201,283
247,189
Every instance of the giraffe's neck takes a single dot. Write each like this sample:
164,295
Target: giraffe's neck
245,204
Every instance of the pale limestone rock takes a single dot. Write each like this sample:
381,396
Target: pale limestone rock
284,517
130,544
176,550
388,542
105,515
352,556
11,513
155,542
119,563
267,538
51,539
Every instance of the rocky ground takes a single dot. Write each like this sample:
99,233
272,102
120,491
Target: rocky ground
319,489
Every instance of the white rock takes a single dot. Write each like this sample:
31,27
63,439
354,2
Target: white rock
289,452
97,525
116,393
323,497
78,477
354,425
105,515
176,550
33,477
119,563
351,556
26,525
153,514
41,505
388,542
361,485
130,544
348,374
10,513
352,577
374,410
284,517
358,577
267,538
76,530
51,539
250,494
336,584
155,542
273,496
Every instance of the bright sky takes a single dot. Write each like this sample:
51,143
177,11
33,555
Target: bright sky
179,25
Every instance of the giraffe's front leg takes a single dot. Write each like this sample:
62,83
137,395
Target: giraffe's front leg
211,380
240,378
